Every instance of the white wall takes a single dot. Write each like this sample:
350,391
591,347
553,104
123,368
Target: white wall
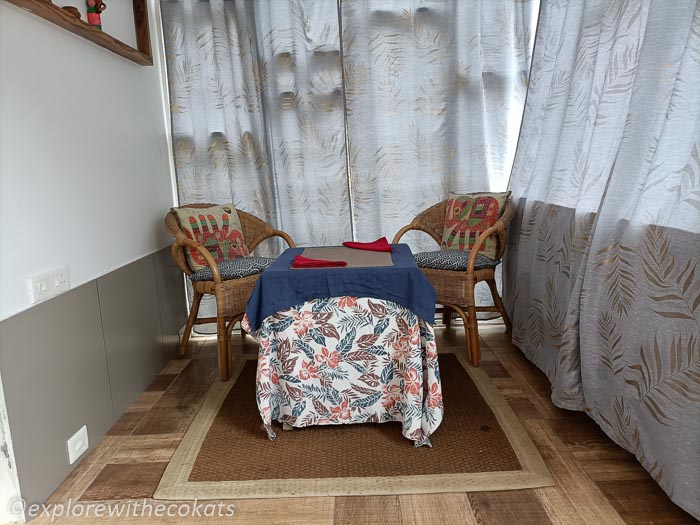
85,175
85,169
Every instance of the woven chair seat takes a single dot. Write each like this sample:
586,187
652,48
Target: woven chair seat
235,268
452,287
454,260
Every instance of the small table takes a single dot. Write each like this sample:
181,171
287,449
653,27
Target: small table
346,353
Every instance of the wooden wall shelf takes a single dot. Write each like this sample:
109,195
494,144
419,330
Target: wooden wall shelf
61,17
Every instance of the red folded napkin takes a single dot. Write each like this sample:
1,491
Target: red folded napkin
380,245
305,262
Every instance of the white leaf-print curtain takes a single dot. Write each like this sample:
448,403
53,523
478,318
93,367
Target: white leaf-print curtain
428,94
602,266
257,111
435,94
298,43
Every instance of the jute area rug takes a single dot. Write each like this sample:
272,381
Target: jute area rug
480,446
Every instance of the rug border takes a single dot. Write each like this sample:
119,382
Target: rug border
174,484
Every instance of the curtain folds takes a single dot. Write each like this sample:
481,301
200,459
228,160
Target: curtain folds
216,106
427,94
298,46
435,93
257,111
602,277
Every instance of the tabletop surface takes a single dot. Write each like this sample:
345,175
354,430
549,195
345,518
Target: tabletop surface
354,258
401,258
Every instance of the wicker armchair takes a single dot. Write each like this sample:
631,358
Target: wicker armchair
455,289
231,295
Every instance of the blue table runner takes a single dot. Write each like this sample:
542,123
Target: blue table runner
280,287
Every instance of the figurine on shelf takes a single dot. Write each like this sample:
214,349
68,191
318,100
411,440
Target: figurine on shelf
94,10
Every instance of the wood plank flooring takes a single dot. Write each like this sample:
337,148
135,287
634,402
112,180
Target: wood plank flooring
597,482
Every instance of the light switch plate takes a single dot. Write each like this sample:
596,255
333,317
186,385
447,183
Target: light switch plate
77,444
49,283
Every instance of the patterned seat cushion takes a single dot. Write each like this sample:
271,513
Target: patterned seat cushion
235,268
454,260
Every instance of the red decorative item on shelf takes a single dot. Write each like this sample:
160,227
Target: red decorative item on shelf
94,10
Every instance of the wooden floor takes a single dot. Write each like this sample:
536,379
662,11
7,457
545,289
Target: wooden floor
596,481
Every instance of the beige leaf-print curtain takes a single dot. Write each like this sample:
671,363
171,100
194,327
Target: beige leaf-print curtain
602,276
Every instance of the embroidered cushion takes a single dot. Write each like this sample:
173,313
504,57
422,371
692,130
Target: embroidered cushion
468,216
217,228
454,260
235,268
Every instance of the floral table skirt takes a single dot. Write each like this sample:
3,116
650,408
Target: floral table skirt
348,360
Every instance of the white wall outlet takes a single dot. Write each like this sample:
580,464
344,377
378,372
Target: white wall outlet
77,444
49,283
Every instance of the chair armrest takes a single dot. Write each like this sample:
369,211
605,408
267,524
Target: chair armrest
489,232
286,237
268,235
408,228
181,241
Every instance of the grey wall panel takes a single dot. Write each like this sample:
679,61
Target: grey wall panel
82,358
131,324
171,300
52,361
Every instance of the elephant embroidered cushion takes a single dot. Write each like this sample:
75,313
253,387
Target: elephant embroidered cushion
217,228
468,216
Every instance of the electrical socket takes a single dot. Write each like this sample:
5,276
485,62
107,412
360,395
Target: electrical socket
49,283
77,444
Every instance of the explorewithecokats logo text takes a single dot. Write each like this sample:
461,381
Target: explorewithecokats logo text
143,508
